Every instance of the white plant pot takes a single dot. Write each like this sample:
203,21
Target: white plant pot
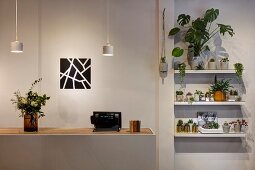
224,65
232,98
212,65
179,98
196,97
237,128
225,128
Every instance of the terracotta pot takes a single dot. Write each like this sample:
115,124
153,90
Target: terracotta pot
219,96
30,123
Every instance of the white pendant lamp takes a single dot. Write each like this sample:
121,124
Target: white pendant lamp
108,48
16,46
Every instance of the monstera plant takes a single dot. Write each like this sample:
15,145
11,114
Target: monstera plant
198,32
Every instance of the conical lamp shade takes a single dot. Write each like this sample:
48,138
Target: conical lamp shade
108,50
16,47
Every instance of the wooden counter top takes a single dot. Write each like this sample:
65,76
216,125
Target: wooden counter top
72,131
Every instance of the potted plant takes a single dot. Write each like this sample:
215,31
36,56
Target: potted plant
182,72
207,96
190,122
244,126
233,95
224,62
179,96
186,128
219,89
189,97
194,128
237,126
197,33
30,106
179,126
226,127
239,70
212,64
197,95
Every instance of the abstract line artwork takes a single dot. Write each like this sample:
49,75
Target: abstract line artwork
75,73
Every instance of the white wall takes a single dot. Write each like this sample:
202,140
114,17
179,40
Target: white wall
239,15
127,82
58,29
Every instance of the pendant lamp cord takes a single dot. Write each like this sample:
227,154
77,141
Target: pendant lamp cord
107,21
163,52
16,20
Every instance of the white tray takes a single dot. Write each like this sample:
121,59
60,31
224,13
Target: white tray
202,130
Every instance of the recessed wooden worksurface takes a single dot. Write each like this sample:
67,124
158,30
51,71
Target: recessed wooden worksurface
73,131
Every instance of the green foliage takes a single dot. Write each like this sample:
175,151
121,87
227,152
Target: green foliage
31,103
198,32
177,52
233,92
179,92
183,19
198,92
222,85
212,60
239,69
200,66
211,125
224,60
180,122
182,71
211,15
174,31
190,121
226,29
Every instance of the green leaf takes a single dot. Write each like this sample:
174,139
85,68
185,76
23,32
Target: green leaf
207,48
226,29
211,15
183,19
199,24
190,36
177,52
174,31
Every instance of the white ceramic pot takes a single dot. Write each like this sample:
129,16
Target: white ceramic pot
237,128
224,65
196,97
232,98
212,65
179,98
225,128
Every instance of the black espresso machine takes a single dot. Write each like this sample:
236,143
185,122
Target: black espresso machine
106,121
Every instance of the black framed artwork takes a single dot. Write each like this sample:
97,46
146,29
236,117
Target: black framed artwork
75,73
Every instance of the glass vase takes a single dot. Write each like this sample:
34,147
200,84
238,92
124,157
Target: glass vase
31,123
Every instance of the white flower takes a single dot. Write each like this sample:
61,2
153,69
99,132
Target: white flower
23,100
34,104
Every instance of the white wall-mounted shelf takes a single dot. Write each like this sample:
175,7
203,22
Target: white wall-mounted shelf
209,103
218,135
207,71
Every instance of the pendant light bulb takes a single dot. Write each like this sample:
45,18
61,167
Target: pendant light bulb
16,46
108,50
